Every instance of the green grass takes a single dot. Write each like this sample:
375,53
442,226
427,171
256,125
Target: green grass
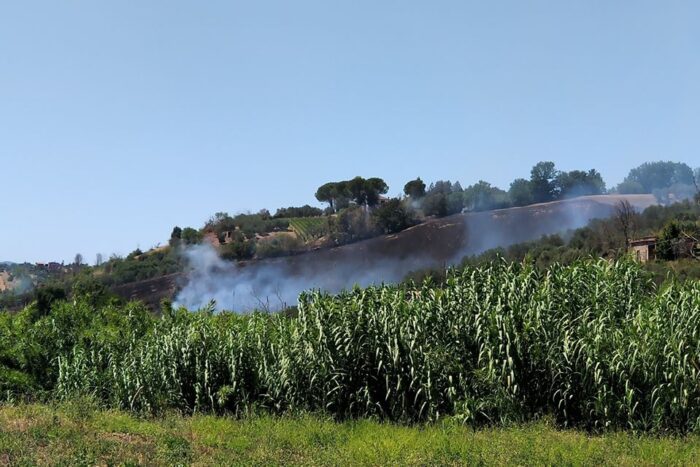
309,228
78,434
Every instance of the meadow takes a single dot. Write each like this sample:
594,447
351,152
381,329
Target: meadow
77,434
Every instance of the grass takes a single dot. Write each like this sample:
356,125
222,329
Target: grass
78,434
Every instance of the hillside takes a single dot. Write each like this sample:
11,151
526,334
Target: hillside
388,258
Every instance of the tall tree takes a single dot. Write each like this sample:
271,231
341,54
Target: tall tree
652,176
482,196
392,216
336,194
542,180
579,183
415,189
327,194
520,192
175,236
435,205
375,187
624,217
191,236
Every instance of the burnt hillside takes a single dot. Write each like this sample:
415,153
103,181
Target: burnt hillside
435,243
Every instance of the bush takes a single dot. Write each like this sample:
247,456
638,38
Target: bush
494,344
240,248
392,216
352,224
278,245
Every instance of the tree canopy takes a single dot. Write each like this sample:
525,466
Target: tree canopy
364,192
415,188
651,176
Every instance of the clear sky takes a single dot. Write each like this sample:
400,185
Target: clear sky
122,119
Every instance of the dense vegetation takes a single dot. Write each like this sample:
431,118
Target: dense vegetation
594,345
605,238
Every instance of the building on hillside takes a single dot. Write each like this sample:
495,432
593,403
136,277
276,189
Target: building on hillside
213,239
644,249
224,238
228,236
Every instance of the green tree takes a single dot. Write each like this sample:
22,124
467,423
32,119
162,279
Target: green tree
455,202
135,254
435,205
374,188
630,188
520,192
303,211
325,194
482,196
191,236
175,236
442,186
652,176
336,194
239,248
415,188
392,216
352,224
46,297
366,192
542,181
579,183
668,241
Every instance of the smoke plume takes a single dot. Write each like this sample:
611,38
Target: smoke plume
275,283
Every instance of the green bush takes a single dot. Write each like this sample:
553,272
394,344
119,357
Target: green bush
594,345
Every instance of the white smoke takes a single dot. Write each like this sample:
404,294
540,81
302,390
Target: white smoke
276,283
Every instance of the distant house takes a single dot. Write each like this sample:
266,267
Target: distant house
644,249
229,236
213,239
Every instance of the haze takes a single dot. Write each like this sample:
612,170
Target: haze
119,121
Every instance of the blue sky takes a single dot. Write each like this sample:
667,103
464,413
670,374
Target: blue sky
119,120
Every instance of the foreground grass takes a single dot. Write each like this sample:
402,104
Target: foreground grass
76,434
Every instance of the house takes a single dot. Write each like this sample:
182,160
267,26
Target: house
213,239
643,249
229,236
224,238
